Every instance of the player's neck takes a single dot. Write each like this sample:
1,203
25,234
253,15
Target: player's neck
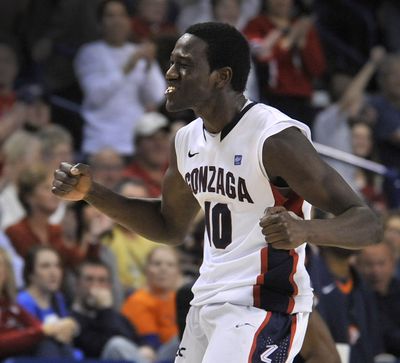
221,112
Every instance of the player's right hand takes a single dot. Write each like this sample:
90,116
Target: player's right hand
72,182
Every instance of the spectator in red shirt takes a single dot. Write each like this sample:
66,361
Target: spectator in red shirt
288,57
34,189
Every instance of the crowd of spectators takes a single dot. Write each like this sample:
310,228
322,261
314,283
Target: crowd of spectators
82,81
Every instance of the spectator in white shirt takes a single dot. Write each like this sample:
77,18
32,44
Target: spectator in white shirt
120,81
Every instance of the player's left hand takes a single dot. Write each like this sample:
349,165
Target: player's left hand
282,229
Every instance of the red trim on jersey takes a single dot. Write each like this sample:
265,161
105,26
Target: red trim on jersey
292,331
260,277
262,326
292,202
295,256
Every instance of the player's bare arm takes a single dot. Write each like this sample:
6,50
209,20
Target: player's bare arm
163,220
290,156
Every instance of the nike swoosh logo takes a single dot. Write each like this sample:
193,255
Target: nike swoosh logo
243,324
191,155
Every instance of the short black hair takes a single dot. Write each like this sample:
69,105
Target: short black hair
101,9
227,47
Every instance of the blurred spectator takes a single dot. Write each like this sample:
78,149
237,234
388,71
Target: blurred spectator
43,299
151,20
119,79
150,160
288,58
377,264
94,227
19,151
37,104
130,249
387,106
104,332
34,191
152,309
345,303
57,146
332,126
107,167
368,183
20,332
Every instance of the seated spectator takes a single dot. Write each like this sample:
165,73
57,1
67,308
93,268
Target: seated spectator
150,160
120,81
44,300
152,309
57,147
20,332
367,182
345,303
377,264
130,249
34,191
104,332
19,151
37,104
107,167
288,57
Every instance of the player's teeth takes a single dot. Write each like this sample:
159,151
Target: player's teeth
170,89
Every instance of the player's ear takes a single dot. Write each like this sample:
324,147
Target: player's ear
222,77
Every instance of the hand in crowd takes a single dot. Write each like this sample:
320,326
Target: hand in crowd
148,353
72,182
62,330
100,298
377,55
146,51
282,229
297,33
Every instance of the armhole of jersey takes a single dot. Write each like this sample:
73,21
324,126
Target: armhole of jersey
278,127
178,143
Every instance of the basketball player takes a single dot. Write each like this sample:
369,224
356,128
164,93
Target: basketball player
249,167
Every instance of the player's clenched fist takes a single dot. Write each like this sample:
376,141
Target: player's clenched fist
282,229
72,182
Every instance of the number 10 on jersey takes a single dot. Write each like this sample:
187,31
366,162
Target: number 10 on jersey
218,224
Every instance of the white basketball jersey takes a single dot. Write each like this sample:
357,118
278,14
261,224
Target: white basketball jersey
226,174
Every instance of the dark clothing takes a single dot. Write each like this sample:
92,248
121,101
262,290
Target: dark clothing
351,318
98,327
389,309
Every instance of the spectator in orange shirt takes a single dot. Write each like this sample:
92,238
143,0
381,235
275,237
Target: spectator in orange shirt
152,309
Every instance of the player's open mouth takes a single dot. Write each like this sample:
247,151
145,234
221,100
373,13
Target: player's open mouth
170,89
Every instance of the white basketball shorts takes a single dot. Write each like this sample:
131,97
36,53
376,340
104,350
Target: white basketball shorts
221,333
